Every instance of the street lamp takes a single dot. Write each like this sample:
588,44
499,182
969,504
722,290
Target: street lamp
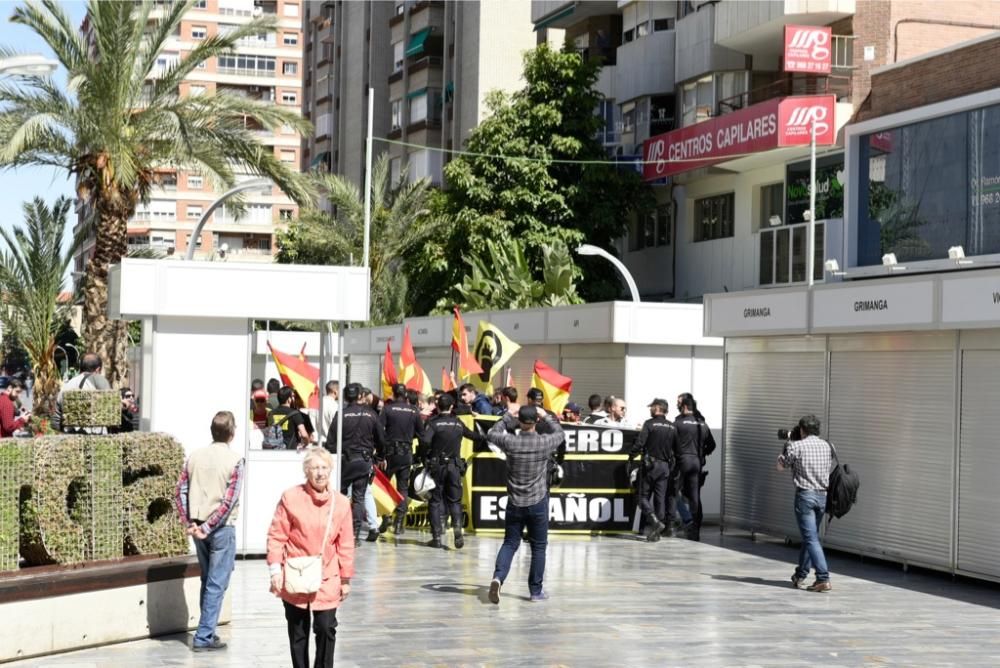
252,184
587,249
29,64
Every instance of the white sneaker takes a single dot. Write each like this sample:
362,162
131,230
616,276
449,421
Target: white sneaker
495,591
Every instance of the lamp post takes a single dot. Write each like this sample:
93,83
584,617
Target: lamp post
29,64
811,245
588,249
252,184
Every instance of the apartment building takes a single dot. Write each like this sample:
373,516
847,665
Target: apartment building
731,216
430,63
265,67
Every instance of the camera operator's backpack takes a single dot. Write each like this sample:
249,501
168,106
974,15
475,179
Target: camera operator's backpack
842,490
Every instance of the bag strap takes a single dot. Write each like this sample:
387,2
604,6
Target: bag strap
329,523
83,382
833,451
285,419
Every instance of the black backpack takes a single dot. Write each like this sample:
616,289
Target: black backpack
842,490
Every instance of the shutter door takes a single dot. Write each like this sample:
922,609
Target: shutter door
603,376
765,392
365,370
890,419
979,457
522,365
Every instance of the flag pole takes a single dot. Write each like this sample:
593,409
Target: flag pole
340,406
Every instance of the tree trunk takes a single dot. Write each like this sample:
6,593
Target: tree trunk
108,338
46,388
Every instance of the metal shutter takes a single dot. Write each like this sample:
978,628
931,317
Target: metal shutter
432,363
890,419
365,370
603,376
765,391
979,462
522,365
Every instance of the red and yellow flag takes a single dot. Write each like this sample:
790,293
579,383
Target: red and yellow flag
467,364
447,384
389,377
387,497
411,373
555,387
298,374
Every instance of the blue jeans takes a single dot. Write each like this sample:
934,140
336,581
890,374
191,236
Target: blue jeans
809,508
536,518
217,558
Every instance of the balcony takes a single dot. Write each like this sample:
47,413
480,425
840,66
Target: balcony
757,28
641,69
423,63
838,85
562,14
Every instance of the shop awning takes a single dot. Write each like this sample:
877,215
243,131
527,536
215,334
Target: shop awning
417,41
546,22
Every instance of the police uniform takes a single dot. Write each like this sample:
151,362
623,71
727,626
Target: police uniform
402,423
689,452
655,444
440,450
362,434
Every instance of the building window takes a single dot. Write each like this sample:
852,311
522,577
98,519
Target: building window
290,39
829,190
195,182
395,165
200,4
396,121
642,29
197,242
659,25
713,217
287,156
291,10
193,211
418,108
202,65
397,56
289,98
199,32
772,205
196,90
285,215
250,65
654,229
783,254
289,68
628,35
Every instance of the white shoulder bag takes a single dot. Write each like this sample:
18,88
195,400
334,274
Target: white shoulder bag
304,575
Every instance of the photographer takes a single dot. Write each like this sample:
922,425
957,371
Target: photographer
810,459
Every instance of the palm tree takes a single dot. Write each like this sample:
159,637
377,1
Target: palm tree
32,267
123,119
400,220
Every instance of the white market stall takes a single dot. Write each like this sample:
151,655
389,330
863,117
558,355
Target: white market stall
198,352
636,351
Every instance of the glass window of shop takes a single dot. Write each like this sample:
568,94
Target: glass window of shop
930,185
829,189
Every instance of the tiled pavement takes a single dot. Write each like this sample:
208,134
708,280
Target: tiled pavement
615,602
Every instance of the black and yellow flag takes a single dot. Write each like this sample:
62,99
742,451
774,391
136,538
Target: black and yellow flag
492,350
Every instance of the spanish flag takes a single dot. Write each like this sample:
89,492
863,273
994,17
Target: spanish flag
493,349
447,384
298,374
387,497
555,387
467,364
410,372
389,377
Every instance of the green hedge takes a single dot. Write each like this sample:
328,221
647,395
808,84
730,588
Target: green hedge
68,499
91,408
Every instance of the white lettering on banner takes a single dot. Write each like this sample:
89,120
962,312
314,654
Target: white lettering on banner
577,508
656,154
757,128
817,40
806,116
593,440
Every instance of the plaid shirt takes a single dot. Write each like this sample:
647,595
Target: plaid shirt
811,461
528,456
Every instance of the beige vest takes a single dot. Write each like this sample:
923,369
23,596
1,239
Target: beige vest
209,471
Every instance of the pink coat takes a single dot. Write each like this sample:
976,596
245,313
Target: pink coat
297,530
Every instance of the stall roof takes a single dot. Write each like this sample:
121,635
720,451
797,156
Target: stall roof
652,323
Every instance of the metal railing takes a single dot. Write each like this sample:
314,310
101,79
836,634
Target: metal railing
833,84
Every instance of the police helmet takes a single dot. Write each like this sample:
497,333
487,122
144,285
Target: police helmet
423,483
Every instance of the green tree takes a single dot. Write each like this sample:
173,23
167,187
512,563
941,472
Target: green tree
528,197
122,119
400,223
32,267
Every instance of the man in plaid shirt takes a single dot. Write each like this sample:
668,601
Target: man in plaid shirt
810,459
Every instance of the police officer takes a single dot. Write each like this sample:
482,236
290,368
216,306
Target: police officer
441,451
362,435
655,444
689,452
402,423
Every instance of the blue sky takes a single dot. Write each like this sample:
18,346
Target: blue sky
17,186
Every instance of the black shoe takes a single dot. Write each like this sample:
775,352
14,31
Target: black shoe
459,540
399,526
357,540
434,542
384,526
213,646
656,528
373,535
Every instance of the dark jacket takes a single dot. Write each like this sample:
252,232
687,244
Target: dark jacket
657,439
443,438
692,434
362,432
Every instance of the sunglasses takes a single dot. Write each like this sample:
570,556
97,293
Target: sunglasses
129,396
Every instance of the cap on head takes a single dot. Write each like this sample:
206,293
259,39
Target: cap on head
661,404
527,415
573,408
535,394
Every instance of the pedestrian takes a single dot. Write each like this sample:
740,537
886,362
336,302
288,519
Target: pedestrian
689,453
571,413
402,423
508,395
291,419
595,404
474,401
810,459
10,421
441,453
528,456
207,499
260,411
312,520
655,445
89,379
130,411
273,385
616,414
329,411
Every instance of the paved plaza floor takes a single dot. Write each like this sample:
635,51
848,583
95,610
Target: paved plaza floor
614,602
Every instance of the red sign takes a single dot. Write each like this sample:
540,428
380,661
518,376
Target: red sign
761,127
808,49
798,115
881,141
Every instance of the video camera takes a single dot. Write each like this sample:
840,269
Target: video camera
793,434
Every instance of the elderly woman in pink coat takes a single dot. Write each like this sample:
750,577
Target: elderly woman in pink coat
300,523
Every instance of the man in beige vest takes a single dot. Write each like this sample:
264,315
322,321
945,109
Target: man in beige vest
207,497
